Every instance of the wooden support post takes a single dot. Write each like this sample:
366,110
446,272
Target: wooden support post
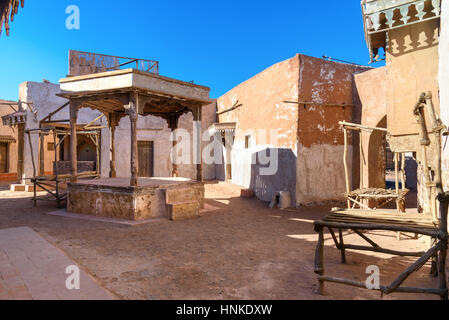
133,116
396,177
20,151
112,125
173,124
362,158
34,169
403,176
443,199
342,247
345,161
197,144
319,258
73,142
41,154
56,170
98,149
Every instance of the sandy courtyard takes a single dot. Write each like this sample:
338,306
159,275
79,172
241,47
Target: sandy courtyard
241,251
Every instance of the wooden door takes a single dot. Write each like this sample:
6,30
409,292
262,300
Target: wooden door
145,159
3,158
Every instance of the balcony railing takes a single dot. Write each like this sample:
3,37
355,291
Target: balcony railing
82,63
380,16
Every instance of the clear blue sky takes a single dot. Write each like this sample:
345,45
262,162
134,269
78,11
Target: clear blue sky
215,43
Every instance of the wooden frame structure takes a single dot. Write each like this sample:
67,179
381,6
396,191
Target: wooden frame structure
429,224
132,102
381,196
46,182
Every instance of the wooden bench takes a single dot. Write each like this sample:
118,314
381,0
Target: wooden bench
359,221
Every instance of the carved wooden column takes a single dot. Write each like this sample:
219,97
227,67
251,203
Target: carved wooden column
20,146
197,116
133,116
112,125
73,142
173,124
42,154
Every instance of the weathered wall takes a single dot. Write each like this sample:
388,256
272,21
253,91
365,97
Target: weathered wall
310,135
412,68
320,169
372,92
8,131
262,98
444,82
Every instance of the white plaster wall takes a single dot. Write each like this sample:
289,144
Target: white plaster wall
320,167
444,81
44,101
160,135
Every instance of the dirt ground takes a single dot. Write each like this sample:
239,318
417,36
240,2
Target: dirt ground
244,250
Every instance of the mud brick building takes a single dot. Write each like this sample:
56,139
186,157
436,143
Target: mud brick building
303,98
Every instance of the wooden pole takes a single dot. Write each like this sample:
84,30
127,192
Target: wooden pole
41,154
199,158
73,142
56,169
34,169
20,151
173,124
362,162
133,116
113,124
345,161
403,176
319,259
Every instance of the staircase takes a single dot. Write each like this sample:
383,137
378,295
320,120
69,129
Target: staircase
183,203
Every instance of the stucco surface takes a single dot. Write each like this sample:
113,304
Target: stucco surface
412,68
444,81
320,169
372,92
313,129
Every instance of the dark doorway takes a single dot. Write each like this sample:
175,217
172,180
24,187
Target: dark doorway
3,157
145,162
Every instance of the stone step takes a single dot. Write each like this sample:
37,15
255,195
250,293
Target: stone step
183,210
24,188
174,195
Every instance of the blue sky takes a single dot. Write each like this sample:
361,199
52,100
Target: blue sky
215,43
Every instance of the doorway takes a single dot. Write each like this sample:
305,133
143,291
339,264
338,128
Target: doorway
3,157
145,159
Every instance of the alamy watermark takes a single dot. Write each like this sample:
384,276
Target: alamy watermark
73,21
73,280
373,280
196,148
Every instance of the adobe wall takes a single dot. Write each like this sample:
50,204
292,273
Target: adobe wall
372,91
320,169
262,107
8,131
444,82
412,68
